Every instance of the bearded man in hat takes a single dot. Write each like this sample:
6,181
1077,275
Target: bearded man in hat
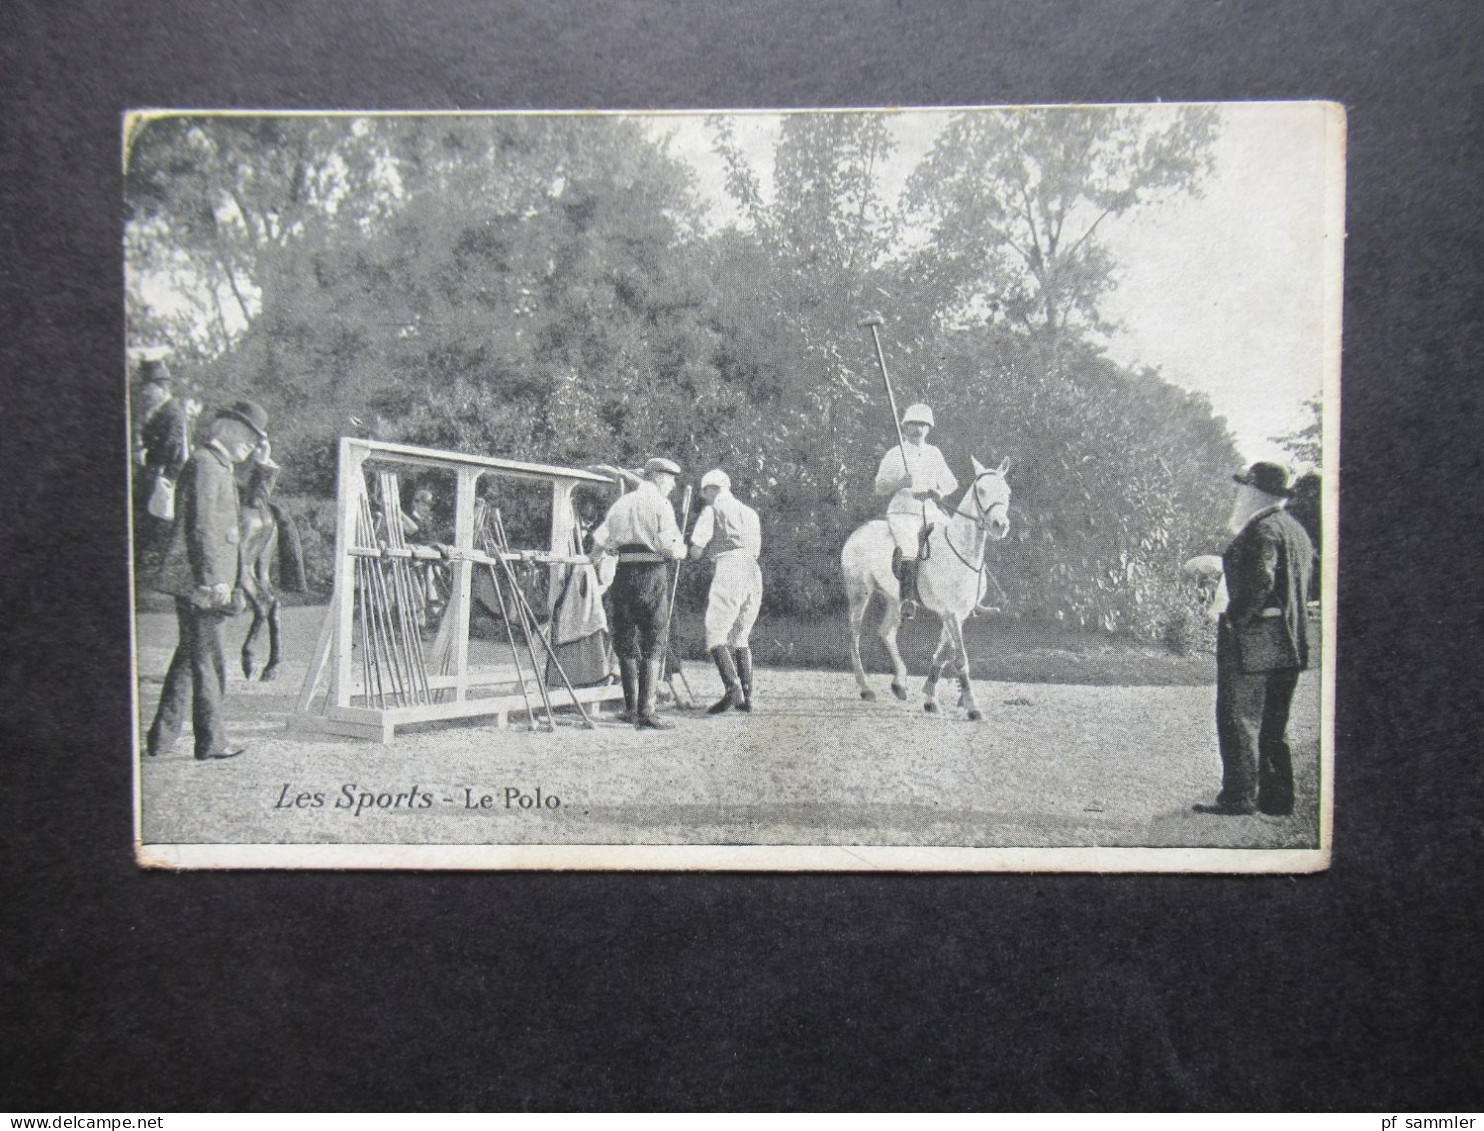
641,529
203,571
1262,644
916,476
729,533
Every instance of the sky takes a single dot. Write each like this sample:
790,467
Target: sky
1223,292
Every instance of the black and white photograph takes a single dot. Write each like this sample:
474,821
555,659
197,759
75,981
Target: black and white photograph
473,467
946,489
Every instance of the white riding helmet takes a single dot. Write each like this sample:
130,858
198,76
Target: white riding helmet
716,478
918,414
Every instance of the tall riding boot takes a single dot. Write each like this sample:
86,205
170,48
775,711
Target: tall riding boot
628,671
910,597
649,683
743,657
732,696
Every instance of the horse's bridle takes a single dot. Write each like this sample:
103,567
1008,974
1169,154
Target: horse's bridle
981,519
981,516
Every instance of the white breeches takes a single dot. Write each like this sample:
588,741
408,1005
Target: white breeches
906,517
736,594
905,529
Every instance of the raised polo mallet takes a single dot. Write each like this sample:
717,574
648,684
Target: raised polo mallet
872,321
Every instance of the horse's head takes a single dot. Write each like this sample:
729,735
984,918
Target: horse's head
988,499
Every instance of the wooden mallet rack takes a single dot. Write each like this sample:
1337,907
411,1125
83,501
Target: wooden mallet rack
438,683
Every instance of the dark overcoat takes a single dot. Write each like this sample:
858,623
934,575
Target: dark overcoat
205,543
166,439
1268,566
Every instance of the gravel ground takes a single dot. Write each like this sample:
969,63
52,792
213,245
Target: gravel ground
1051,765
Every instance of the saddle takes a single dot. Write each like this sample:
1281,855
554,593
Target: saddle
922,550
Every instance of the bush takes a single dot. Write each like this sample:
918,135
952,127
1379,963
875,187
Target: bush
1190,632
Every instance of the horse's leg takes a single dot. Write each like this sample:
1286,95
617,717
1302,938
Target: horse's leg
965,686
252,634
859,602
890,622
935,669
275,641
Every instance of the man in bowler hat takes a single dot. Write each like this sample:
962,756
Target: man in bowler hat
1262,644
202,569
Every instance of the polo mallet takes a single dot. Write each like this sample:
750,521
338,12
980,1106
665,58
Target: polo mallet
872,321
512,592
674,592
505,614
533,628
482,524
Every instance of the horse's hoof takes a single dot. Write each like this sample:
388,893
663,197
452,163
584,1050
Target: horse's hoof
868,695
930,707
976,715
269,675
247,670
899,691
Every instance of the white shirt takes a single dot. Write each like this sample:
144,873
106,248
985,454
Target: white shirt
928,469
728,525
643,517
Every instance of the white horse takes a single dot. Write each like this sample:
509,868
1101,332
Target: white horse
948,580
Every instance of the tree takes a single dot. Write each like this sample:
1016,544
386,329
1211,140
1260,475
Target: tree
1014,200
529,294
788,290
1304,444
218,208
541,288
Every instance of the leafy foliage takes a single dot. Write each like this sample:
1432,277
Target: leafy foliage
1014,200
1304,443
548,288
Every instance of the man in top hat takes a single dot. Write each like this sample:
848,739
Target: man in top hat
203,570
164,431
640,527
729,533
917,478
1262,644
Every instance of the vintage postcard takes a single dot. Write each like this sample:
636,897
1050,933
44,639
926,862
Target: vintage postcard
917,489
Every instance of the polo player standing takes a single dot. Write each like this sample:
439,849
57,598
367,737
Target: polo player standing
730,534
641,528
916,476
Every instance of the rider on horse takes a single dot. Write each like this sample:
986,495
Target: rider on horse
917,478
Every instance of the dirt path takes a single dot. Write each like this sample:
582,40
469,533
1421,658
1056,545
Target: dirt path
1051,765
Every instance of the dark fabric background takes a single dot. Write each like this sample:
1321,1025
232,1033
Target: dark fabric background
1356,989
